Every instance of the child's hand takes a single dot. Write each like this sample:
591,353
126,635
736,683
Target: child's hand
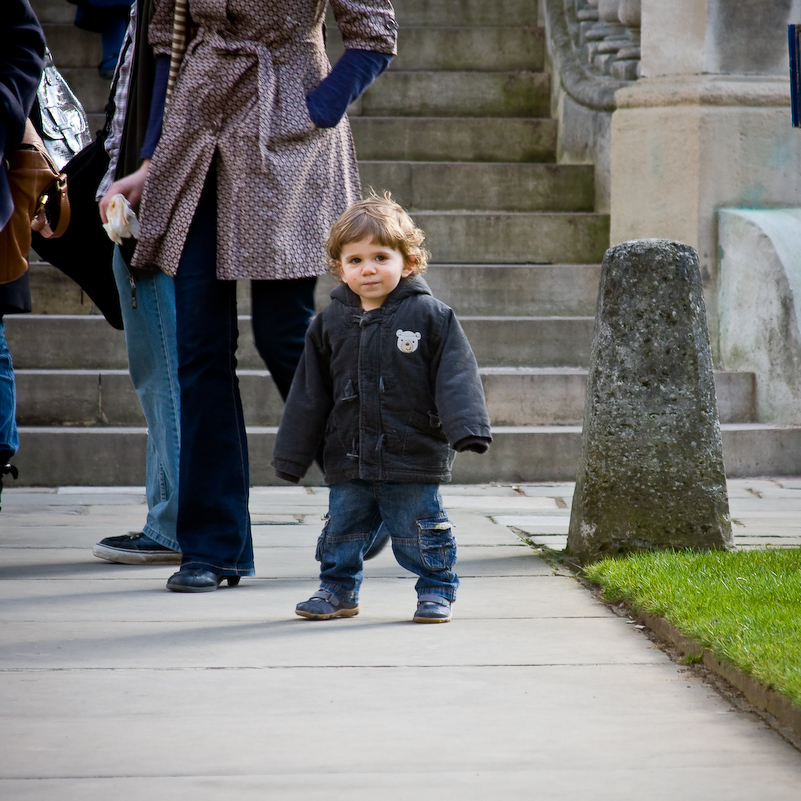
130,187
475,444
287,477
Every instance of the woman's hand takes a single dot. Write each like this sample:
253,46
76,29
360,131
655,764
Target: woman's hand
131,187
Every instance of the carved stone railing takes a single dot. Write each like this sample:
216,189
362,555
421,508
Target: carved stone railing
594,47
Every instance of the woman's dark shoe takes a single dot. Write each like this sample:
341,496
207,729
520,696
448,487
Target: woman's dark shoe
198,579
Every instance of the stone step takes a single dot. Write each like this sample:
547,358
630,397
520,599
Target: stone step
471,289
86,342
555,396
53,11
522,396
71,47
52,292
412,13
539,290
515,237
457,94
65,456
488,49
488,186
455,139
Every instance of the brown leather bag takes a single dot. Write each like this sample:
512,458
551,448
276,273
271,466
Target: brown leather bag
41,204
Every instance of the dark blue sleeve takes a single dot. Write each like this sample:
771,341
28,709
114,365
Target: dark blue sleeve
156,118
347,81
22,47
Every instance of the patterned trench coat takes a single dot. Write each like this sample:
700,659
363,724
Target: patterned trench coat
240,102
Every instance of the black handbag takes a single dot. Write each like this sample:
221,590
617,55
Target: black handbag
84,252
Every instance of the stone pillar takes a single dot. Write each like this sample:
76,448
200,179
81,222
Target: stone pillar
650,474
707,125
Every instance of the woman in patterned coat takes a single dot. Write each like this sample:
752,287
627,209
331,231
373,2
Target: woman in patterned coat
254,163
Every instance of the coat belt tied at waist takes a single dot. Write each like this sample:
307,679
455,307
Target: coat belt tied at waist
267,58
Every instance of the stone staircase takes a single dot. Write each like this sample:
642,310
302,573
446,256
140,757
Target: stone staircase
459,130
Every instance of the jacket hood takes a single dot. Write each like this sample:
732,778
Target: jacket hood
413,285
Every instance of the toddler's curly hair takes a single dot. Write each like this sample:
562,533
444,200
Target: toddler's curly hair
380,219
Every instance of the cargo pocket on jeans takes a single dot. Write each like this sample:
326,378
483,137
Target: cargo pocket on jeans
437,543
318,551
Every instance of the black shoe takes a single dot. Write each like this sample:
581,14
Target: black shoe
197,579
379,543
135,549
6,470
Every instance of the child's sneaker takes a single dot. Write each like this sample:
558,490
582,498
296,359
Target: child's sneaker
324,605
432,609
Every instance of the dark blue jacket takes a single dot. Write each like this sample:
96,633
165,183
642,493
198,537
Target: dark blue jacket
22,47
388,391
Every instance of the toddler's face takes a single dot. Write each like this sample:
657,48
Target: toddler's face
372,270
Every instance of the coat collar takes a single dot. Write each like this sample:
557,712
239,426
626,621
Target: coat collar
413,285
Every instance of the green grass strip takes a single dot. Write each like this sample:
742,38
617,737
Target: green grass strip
743,606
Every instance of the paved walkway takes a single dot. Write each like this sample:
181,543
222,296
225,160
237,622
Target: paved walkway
113,688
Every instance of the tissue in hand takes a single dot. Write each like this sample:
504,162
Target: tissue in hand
122,222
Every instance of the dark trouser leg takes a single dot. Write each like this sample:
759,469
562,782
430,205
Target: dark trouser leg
282,311
213,520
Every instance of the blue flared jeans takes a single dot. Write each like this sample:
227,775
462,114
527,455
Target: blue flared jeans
213,518
153,365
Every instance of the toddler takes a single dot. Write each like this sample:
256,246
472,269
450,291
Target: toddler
389,387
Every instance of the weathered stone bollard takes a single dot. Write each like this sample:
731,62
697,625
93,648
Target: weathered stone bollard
651,473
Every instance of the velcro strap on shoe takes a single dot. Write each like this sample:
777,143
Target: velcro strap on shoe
325,595
433,599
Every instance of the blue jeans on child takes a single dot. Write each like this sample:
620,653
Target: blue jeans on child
153,365
9,437
422,539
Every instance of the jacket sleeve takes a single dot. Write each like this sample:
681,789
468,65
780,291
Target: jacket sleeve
160,31
367,25
22,48
348,81
307,408
458,391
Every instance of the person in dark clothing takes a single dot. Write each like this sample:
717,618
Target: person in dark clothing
22,48
389,385
109,18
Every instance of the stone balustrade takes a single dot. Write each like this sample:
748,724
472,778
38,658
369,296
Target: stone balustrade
607,35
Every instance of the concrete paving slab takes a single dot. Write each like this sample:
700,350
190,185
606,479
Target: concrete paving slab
552,784
272,559
786,516
285,708
368,640
112,686
754,505
536,523
383,598
764,488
